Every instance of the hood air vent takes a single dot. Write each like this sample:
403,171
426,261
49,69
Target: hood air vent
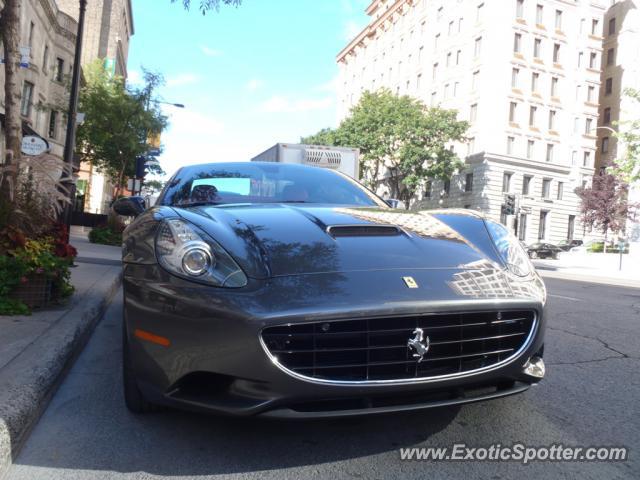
363,231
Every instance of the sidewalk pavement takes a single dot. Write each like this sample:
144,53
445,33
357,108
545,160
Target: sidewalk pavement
593,267
36,350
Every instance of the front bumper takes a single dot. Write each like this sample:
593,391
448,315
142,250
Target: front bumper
215,361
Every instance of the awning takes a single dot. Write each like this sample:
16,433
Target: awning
26,130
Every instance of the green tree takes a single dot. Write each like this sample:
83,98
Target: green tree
628,166
207,5
402,142
117,123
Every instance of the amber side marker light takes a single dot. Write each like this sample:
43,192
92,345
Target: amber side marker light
150,337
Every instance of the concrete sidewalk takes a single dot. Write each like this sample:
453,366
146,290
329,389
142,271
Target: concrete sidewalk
36,350
593,267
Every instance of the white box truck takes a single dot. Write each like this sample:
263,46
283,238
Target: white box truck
345,160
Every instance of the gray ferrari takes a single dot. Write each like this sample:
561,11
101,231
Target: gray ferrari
293,291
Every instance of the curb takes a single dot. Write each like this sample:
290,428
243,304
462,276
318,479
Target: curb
28,386
579,277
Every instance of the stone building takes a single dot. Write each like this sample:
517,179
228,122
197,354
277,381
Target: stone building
524,73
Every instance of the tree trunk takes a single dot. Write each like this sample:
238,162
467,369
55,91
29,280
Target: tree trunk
10,31
604,248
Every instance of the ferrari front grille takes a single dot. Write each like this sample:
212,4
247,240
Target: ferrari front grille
399,348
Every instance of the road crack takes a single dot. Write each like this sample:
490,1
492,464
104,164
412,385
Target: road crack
618,353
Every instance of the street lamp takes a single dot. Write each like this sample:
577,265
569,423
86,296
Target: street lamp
70,138
177,105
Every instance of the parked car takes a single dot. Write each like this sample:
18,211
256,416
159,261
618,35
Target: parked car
566,245
543,250
292,291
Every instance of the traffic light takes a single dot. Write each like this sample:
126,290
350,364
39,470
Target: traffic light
510,204
140,167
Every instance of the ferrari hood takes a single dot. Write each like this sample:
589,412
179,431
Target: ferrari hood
281,239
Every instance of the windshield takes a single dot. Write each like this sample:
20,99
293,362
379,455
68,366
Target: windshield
226,183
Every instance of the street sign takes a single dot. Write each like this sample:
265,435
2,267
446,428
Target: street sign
32,145
25,56
509,204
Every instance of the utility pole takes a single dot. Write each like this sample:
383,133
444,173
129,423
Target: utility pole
70,139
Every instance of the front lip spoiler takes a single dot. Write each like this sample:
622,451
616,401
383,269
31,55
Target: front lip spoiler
414,381
289,413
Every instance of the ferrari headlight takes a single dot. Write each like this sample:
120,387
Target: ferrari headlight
510,249
185,251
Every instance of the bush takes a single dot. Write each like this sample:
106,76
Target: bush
24,259
105,235
597,247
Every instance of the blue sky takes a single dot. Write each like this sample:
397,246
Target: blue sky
249,77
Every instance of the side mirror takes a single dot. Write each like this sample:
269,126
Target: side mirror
393,202
129,206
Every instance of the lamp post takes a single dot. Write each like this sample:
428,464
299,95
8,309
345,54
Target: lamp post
70,138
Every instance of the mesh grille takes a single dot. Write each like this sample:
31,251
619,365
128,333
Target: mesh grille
377,349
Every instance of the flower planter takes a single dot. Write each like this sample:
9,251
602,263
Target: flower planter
35,293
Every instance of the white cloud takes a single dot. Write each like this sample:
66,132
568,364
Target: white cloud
254,84
280,104
331,86
351,30
134,78
210,52
183,79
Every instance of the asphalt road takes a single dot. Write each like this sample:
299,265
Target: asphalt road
589,398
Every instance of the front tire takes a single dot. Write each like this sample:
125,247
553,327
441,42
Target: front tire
133,398
533,254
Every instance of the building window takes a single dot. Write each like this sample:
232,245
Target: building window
436,41
471,146
519,8
537,47
427,189
440,10
450,30
586,160
531,145
460,25
506,182
446,91
513,107
479,9
435,71
558,19
574,158
477,47
510,143
606,116
576,125
556,53
45,59
433,98
455,88
458,54
612,26
526,184
552,119
605,145
473,112
59,75
542,226
580,54
588,124
550,148
571,227
514,77
554,86
468,183
560,190
53,124
532,116
503,215
539,14
517,43
608,86
27,97
611,56
535,76
418,81
593,60
546,187
591,93
446,187
474,80
595,27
